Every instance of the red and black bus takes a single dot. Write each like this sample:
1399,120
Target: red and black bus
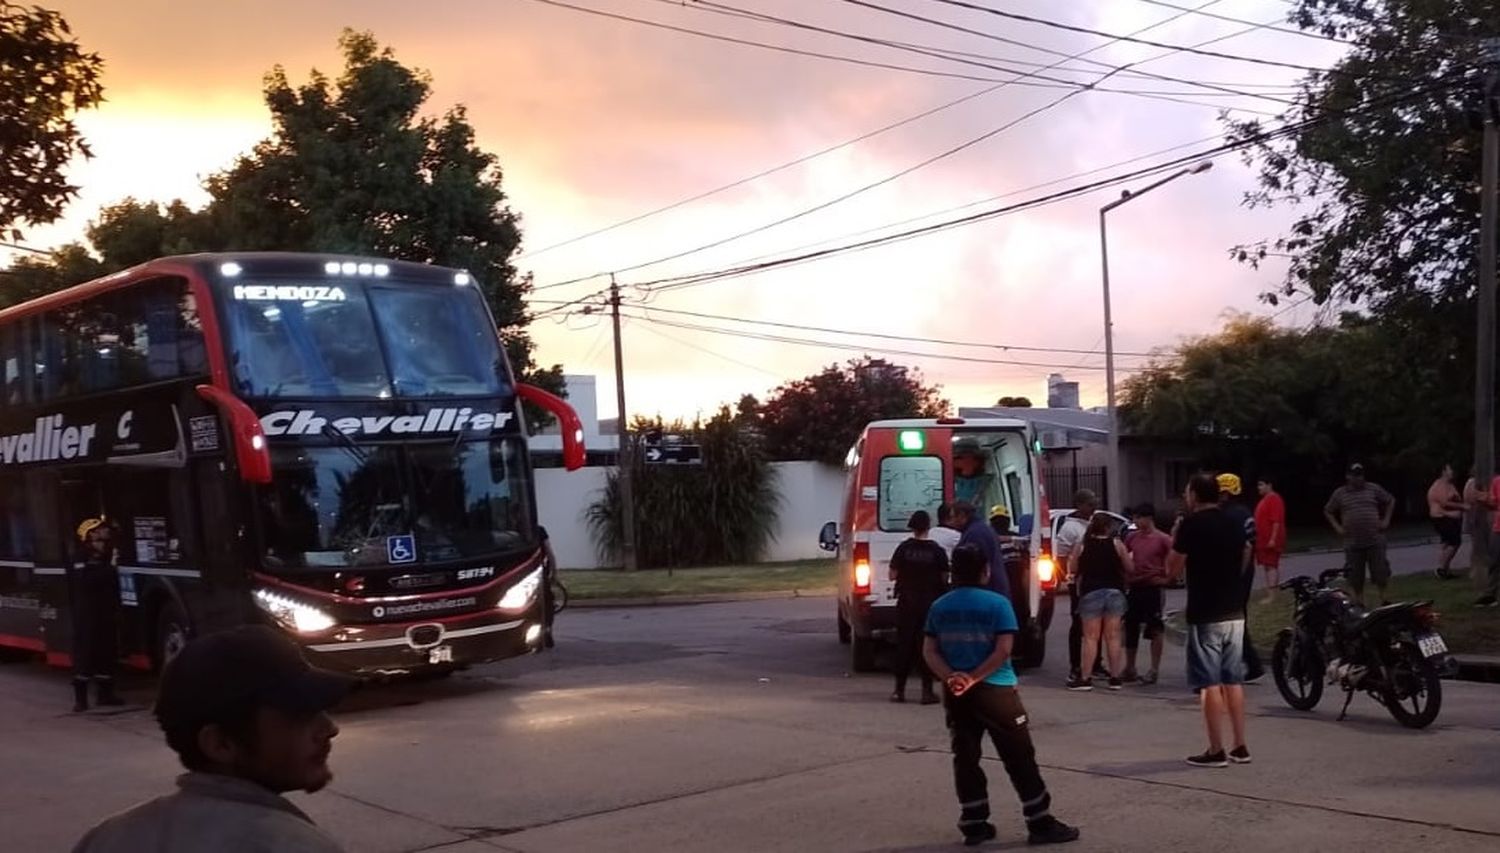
332,445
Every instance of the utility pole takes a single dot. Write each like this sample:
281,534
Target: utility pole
1113,495
1484,342
626,454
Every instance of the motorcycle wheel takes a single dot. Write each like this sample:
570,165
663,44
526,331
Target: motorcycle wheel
1300,681
1415,694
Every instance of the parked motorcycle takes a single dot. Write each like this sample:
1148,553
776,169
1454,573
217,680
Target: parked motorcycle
1394,652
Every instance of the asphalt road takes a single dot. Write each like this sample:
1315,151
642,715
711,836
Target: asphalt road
737,727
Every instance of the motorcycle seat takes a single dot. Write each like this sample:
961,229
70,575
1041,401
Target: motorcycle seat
1360,619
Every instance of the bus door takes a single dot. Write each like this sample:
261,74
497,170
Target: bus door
23,597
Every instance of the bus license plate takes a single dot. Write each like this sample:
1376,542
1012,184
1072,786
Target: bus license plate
1431,645
440,654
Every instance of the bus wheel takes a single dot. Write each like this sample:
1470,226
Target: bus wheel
862,653
172,633
845,632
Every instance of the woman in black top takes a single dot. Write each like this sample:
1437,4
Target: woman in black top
919,567
1101,566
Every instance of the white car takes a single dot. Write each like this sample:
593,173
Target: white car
1119,524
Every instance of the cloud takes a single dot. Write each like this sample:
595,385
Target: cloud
597,120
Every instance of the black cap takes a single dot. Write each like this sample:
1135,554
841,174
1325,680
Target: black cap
253,665
1357,468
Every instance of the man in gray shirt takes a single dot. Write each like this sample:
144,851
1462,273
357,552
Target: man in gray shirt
248,718
1360,512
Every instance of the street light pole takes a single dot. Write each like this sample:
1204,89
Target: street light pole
1112,494
1484,370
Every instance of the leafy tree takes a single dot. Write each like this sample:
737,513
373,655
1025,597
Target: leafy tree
1256,398
1014,402
351,166
723,511
45,77
30,277
1385,179
819,417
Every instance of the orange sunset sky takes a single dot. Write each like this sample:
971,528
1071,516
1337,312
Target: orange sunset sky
597,120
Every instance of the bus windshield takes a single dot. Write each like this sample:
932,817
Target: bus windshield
354,505
362,340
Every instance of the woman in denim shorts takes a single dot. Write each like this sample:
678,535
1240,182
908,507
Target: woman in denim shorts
1100,566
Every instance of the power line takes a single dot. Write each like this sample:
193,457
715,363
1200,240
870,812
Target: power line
785,339
1073,28
765,45
881,182
1275,29
676,282
938,53
861,138
1152,75
884,336
722,357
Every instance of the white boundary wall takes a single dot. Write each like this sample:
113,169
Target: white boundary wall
811,494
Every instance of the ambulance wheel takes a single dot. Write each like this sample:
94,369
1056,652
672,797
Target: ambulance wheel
1031,651
862,653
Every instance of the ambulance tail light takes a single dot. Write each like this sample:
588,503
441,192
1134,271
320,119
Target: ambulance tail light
1046,571
862,572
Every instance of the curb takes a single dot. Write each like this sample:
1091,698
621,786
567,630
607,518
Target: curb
707,598
1476,668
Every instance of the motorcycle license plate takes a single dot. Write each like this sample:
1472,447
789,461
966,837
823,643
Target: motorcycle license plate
440,654
1431,645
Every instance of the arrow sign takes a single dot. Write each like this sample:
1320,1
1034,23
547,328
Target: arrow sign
674,454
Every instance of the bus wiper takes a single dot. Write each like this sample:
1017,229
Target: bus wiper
348,445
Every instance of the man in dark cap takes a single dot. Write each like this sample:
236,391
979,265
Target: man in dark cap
248,718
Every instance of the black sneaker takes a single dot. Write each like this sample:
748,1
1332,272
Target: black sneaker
1209,759
1115,683
1080,684
1486,601
1050,830
1240,755
976,836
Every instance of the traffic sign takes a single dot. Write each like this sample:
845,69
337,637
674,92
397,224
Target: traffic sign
674,454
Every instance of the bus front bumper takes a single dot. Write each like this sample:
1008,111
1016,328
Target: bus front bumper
392,649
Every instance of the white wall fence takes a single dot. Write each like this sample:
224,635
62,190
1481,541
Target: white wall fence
811,494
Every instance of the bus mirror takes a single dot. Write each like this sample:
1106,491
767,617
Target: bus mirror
245,432
574,453
828,537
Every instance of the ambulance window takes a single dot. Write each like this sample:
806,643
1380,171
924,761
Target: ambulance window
907,484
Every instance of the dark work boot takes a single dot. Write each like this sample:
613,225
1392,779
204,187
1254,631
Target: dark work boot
105,693
80,695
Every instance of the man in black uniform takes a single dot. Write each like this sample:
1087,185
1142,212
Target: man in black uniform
549,576
95,593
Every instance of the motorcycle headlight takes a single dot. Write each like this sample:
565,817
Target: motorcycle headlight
293,614
522,593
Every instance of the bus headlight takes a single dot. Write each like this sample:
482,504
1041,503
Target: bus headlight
522,593
292,614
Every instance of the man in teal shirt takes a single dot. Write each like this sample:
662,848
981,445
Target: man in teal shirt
970,633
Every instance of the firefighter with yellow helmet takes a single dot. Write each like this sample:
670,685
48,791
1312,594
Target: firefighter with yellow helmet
96,612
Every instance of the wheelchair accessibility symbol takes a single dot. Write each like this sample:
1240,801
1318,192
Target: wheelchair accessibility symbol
401,549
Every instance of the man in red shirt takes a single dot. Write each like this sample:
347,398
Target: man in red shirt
1491,502
1149,547
1270,533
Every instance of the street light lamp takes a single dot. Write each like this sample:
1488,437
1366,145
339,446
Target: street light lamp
1112,472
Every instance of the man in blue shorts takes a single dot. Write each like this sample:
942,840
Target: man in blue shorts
1210,546
970,633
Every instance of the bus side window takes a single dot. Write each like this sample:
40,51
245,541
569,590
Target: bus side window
13,364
